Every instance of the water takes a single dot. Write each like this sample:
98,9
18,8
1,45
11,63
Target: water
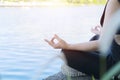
24,55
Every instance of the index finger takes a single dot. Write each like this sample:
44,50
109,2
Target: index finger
49,42
57,37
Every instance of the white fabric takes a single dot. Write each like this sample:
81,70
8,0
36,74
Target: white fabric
66,70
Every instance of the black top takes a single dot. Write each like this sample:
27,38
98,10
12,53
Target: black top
118,31
103,15
119,1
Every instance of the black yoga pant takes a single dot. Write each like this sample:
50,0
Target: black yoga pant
87,62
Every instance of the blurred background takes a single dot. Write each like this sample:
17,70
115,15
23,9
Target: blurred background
56,2
24,55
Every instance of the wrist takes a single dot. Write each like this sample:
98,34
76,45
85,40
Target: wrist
68,46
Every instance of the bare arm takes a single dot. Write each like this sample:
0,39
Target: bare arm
61,44
86,46
112,6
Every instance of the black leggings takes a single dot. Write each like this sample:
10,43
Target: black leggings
86,62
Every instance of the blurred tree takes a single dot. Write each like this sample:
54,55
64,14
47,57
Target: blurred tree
64,1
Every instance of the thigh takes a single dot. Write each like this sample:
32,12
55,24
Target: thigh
86,62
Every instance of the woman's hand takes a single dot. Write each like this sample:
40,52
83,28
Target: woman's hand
96,30
60,44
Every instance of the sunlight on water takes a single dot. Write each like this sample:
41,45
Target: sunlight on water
23,51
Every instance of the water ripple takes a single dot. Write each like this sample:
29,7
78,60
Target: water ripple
23,52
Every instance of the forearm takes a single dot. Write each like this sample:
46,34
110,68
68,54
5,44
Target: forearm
86,46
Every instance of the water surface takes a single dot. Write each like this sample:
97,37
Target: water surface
23,53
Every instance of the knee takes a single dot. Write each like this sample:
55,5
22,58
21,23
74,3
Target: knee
65,51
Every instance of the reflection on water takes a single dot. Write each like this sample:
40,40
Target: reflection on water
23,53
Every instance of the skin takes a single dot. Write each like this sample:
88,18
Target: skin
111,8
96,30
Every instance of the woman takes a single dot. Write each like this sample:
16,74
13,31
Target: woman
85,57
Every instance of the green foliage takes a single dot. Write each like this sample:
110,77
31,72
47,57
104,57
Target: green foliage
112,72
86,1
63,1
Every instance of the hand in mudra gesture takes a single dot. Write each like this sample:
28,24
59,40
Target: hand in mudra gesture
96,30
60,44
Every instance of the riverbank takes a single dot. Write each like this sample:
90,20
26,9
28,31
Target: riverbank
46,4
